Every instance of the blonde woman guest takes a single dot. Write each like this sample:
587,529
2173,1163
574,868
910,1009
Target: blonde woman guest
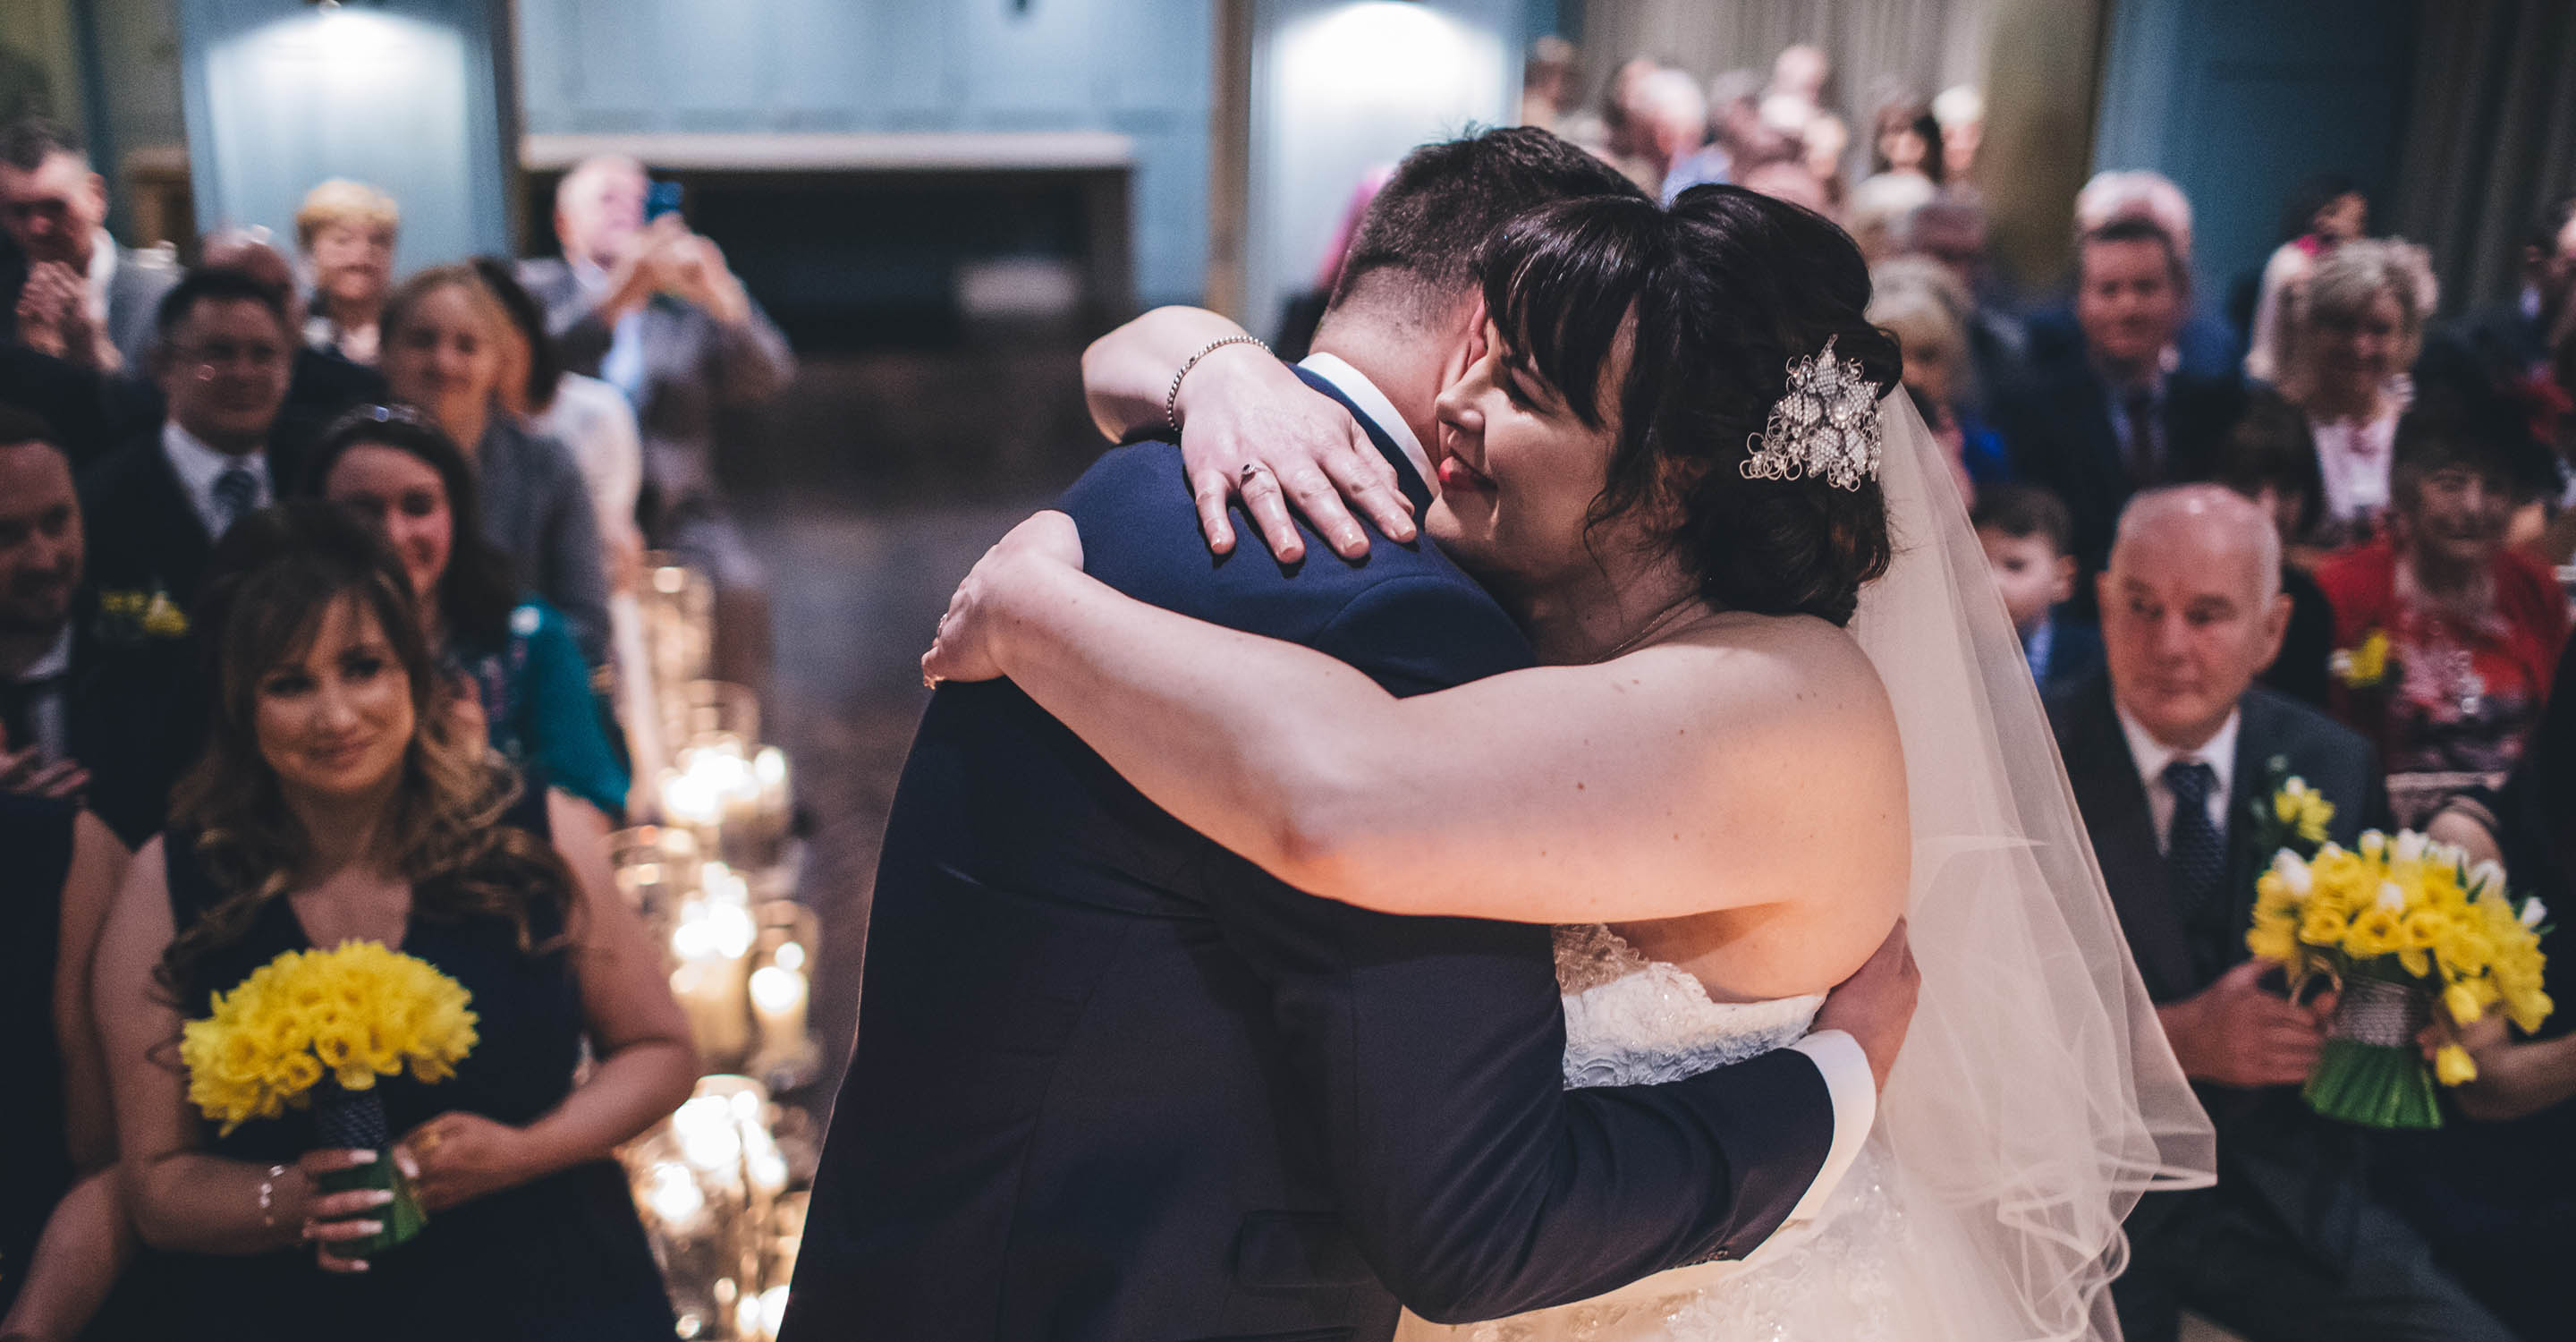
1927,309
346,231
448,344
2355,332
336,801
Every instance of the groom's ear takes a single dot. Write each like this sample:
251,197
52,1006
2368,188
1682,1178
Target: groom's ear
1467,342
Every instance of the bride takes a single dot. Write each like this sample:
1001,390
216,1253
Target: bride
1779,708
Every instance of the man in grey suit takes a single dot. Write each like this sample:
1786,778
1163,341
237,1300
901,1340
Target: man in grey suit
77,294
2169,752
652,309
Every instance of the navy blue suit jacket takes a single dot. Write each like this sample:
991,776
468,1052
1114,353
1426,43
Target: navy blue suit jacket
1114,1082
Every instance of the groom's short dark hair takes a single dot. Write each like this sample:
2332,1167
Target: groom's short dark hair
1419,241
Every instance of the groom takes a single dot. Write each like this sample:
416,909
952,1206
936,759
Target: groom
1113,1082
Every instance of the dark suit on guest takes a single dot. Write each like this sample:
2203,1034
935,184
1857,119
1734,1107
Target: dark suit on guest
2290,1243
2060,429
1113,1082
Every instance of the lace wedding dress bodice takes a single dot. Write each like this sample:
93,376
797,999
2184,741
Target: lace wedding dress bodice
1630,1020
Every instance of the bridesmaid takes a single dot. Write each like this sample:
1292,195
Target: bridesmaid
333,801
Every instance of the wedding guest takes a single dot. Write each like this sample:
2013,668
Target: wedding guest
2467,630
1879,207
1670,113
446,347
1951,232
2025,532
1961,111
1547,82
2513,340
2270,457
157,505
335,802
2326,211
75,294
2347,346
2494,1189
346,231
1796,93
1905,140
2166,752
1736,134
505,652
63,1233
1821,147
323,384
2109,415
653,310
593,419
1923,304
2202,344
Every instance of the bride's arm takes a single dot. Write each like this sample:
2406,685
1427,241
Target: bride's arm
1239,406
1676,781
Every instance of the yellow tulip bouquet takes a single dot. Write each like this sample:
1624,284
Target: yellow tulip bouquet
2397,925
314,1030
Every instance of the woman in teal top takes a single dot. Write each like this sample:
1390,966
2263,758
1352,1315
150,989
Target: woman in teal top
520,676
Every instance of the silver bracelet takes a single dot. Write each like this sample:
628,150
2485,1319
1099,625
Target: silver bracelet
268,1196
1172,398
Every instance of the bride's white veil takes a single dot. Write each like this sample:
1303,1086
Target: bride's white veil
2036,1098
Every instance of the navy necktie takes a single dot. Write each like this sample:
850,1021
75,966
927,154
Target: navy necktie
2196,865
236,490
18,701
2146,464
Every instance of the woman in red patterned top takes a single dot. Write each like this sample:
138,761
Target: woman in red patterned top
2446,640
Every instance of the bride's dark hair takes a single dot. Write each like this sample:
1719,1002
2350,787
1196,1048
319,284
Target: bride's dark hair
1722,292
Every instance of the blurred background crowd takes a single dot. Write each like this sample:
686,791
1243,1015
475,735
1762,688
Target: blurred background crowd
637,380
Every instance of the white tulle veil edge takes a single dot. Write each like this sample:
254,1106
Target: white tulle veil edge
2036,1099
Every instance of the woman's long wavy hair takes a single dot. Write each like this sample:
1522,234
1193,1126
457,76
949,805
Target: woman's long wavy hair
275,576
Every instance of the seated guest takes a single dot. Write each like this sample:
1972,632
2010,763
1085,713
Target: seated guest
2270,457
2467,630
81,689
2026,532
75,294
2325,212
1923,304
654,311
593,419
2203,345
1951,233
156,506
63,1230
2097,420
323,385
445,351
2511,341
2167,751
2494,1189
2345,350
335,802
517,676
346,231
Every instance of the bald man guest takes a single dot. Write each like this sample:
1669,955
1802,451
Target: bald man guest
652,309
2169,749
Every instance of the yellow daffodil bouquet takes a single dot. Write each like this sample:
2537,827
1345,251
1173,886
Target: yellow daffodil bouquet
315,1030
2397,925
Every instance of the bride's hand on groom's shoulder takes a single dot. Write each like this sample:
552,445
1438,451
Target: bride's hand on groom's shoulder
966,646
1250,429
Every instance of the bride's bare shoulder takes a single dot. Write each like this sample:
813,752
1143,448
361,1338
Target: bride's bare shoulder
1793,665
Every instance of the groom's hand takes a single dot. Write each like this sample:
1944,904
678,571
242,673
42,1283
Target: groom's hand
1876,1004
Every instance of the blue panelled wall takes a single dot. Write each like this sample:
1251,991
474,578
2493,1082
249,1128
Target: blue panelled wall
1139,68
2240,102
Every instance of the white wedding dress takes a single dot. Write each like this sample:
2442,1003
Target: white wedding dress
2035,1099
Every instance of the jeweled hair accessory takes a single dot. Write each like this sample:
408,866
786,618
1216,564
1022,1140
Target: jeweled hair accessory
1826,427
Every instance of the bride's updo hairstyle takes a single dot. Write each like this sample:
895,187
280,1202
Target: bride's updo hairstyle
1721,292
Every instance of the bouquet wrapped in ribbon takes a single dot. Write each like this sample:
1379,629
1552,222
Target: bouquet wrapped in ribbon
2398,925
314,1030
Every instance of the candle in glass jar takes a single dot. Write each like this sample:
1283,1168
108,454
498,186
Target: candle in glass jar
778,997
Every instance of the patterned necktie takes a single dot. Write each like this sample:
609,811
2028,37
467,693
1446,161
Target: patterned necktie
2196,864
236,492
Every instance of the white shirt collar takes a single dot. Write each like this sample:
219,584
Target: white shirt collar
56,661
1353,383
198,466
2152,755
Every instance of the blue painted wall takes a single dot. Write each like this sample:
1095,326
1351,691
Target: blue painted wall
280,95
1141,68
2239,103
